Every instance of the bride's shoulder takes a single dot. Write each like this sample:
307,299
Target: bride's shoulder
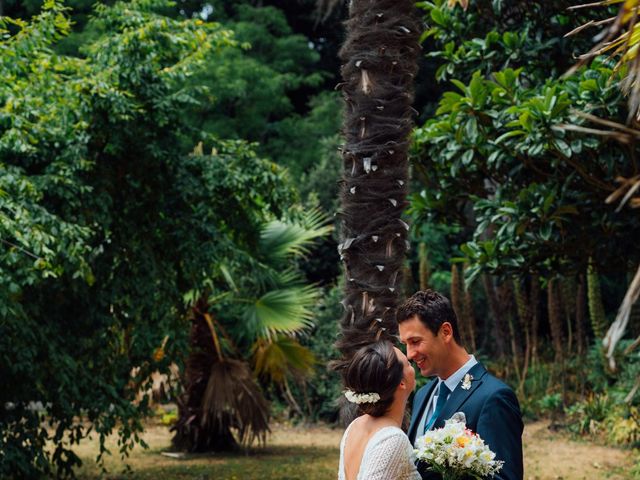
390,435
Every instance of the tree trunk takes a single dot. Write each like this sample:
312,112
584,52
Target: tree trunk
424,266
190,434
535,317
499,331
596,308
523,305
457,302
380,60
555,323
581,316
555,319
568,295
505,302
469,315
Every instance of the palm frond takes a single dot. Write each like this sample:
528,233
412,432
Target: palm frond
280,240
276,359
285,310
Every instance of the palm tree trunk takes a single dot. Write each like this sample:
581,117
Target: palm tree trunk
379,58
191,435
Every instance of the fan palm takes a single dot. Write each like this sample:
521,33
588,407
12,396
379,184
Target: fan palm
244,332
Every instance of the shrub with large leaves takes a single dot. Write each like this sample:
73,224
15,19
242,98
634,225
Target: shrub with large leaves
509,155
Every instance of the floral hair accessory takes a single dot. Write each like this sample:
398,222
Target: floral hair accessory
359,398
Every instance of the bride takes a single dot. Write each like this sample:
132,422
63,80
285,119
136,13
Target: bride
379,379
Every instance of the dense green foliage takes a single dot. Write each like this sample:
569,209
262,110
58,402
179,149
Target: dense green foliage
496,142
153,161
107,223
513,183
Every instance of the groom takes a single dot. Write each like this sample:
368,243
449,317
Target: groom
429,328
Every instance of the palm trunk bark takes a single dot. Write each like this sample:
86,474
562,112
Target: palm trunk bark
380,60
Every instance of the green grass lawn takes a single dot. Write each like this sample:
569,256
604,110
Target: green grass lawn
283,463
312,453
291,454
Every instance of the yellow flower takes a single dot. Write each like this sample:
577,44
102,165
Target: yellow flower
462,441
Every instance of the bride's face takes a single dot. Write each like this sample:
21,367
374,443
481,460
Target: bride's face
408,373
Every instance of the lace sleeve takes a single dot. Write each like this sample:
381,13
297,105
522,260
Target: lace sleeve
391,458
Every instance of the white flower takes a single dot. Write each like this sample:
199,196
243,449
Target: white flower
466,381
359,398
456,449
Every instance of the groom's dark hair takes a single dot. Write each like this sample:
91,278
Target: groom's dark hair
433,309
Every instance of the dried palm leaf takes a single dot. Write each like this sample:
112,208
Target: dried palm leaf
620,39
233,400
618,327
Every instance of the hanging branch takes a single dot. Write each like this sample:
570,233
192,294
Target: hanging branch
618,327
380,61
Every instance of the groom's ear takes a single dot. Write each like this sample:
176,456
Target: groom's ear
446,329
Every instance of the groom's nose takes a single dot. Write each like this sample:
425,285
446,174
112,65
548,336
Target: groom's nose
410,352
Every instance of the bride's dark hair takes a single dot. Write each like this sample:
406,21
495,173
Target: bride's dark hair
374,368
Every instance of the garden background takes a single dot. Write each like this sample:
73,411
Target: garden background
169,178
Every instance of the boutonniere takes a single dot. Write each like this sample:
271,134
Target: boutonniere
466,381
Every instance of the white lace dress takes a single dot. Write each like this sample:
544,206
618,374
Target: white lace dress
387,456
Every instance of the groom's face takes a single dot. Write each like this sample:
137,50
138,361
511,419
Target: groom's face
423,347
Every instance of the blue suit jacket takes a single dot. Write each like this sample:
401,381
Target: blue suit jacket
492,411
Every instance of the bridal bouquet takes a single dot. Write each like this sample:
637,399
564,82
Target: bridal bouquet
455,452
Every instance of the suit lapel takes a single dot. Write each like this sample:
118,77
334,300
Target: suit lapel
417,413
460,395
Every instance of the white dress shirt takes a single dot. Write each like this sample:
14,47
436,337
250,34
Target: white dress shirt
452,382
